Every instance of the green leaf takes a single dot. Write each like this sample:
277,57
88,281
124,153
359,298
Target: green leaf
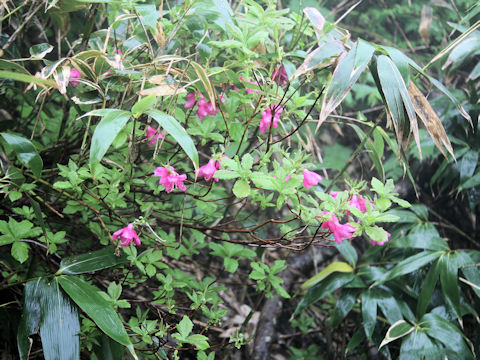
112,123
348,252
27,78
108,349
91,261
470,270
333,267
398,330
427,289
449,280
149,16
345,76
241,188
320,57
231,265
20,251
87,297
448,334
398,101
39,51
144,104
468,163
247,162
417,345
318,291
49,311
25,152
185,327
409,265
177,132
200,341
344,304
372,150
369,312
203,76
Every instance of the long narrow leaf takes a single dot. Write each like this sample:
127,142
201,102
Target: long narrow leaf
91,261
25,152
177,132
203,76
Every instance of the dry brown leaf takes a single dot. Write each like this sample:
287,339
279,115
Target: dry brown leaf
156,79
4,3
163,90
430,119
425,23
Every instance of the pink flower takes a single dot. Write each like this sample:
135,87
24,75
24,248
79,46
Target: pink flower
205,108
249,91
190,101
127,235
267,117
75,74
360,203
119,52
208,170
334,194
279,75
170,179
153,135
310,178
381,242
340,232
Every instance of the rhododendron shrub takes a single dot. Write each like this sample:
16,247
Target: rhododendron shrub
113,202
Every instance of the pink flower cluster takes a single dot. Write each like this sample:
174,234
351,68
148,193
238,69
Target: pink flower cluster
272,112
208,170
126,235
153,135
381,242
170,178
340,232
205,108
356,201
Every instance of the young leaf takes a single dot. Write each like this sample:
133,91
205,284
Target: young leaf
112,123
144,104
177,132
25,152
241,188
185,327
333,267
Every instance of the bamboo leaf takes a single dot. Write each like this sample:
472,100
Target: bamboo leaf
427,289
91,261
317,20
430,119
203,76
27,79
320,57
177,132
346,74
86,296
398,330
107,129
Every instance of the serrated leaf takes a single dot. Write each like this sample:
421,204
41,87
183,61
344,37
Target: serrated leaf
25,152
247,162
231,265
87,297
184,327
338,266
241,188
20,251
110,125
91,261
398,330
345,75
173,127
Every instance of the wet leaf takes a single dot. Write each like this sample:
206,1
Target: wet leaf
398,330
91,261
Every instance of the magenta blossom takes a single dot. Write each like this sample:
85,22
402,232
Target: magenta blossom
75,74
190,101
381,242
153,135
310,178
126,235
208,170
267,117
340,232
279,75
360,203
170,179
